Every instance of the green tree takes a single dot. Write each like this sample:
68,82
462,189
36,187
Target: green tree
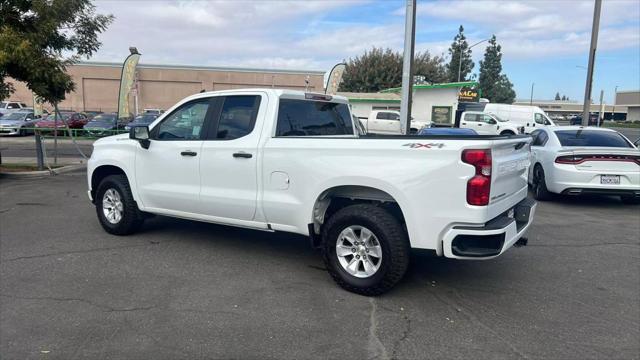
558,96
564,98
495,86
39,38
378,69
459,48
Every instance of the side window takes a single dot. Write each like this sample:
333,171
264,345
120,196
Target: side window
488,119
381,116
394,116
535,134
185,123
471,117
313,118
13,106
539,119
238,116
540,138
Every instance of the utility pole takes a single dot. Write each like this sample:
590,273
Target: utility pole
601,114
592,55
531,99
407,66
613,111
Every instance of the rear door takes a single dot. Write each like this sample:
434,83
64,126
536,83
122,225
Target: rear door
229,158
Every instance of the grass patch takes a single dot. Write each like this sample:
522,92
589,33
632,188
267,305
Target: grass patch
20,167
609,124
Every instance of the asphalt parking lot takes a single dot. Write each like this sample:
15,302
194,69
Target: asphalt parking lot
181,289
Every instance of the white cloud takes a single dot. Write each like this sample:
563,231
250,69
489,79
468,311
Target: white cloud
538,29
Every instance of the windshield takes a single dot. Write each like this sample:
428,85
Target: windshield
14,116
145,118
3,104
591,138
104,118
498,118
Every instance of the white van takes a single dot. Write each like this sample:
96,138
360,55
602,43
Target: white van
531,117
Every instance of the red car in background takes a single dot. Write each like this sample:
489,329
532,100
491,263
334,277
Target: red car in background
75,120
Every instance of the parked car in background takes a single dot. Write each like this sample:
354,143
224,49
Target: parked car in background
284,160
20,122
488,124
91,114
75,120
446,131
577,120
388,122
153,111
7,107
141,120
531,117
575,160
105,124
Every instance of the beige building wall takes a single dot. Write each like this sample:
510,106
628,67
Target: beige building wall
160,86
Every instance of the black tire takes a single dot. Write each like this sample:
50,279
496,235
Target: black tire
540,191
392,239
507,133
630,200
131,219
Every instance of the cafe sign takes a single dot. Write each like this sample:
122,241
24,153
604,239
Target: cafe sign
468,94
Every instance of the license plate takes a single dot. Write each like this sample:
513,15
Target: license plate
610,179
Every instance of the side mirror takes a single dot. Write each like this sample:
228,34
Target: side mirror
140,133
492,121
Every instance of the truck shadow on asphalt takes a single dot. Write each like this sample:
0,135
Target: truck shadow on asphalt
426,269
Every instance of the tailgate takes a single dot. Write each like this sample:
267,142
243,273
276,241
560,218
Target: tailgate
510,163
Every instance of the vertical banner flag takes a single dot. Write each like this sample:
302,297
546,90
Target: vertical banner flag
37,105
126,82
335,78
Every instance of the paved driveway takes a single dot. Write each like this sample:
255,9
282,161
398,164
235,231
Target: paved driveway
185,290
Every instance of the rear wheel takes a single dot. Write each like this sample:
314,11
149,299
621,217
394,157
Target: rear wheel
631,200
365,249
117,211
539,184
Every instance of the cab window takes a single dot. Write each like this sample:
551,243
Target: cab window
540,138
539,118
184,123
238,116
471,117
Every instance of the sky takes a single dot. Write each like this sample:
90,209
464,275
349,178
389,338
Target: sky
544,42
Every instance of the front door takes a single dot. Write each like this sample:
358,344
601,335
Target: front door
167,173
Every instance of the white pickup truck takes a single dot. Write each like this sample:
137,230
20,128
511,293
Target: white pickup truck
282,160
388,122
488,124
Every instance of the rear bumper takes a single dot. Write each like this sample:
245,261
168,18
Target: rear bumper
486,241
602,191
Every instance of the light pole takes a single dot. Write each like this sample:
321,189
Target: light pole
592,57
531,99
613,111
460,54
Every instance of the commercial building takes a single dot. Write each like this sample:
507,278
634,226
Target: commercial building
630,100
558,107
161,86
431,103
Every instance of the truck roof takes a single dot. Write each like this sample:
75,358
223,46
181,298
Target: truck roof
287,93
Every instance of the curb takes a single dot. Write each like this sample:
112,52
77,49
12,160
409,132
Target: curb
44,173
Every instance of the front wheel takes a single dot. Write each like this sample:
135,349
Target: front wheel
117,211
365,249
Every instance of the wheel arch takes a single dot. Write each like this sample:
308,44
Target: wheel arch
337,197
102,172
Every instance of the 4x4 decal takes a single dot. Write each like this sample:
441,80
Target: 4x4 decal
425,146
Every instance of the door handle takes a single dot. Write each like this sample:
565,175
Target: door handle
242,154
188,153
479,124
464,123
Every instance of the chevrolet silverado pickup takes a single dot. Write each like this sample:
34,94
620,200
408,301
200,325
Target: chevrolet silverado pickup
283,160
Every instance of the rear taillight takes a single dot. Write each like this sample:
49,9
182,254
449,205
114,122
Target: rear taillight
579,159
479,186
